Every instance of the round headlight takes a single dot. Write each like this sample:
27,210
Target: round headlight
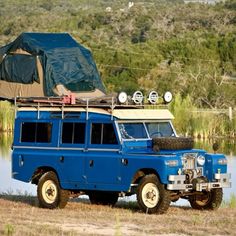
122,97
167,97
152,97
137,97
201,160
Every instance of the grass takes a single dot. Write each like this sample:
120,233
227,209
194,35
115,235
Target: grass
20,216
189,122
231,203
6,116
6,140
8,229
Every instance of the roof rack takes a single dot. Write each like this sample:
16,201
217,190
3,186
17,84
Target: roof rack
72,103
71,100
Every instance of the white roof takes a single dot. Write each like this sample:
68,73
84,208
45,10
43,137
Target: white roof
142,114
66,109
122,114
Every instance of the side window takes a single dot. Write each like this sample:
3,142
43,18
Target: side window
73,133
96,135
36,132
103,134
109,136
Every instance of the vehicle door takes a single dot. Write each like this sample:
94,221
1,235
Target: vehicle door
72,146
103,158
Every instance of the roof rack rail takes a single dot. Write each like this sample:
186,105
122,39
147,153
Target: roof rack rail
71,101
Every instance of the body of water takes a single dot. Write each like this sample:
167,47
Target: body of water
9,185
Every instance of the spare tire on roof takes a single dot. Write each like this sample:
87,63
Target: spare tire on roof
172,143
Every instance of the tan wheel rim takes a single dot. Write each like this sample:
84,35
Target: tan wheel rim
150,195
49,191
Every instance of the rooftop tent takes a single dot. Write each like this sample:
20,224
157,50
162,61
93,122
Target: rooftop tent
47,64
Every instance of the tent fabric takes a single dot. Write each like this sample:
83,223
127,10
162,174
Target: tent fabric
63,62
12,89
11,69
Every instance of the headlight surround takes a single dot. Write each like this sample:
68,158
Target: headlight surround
201,160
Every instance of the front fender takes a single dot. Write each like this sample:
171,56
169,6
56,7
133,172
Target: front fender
154,163
213,165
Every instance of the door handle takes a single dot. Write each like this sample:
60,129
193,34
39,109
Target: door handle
62,159
91,163
124,161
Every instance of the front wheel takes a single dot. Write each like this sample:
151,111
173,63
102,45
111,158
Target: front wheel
50,195
208,201
152,196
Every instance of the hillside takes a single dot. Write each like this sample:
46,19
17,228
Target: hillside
163,45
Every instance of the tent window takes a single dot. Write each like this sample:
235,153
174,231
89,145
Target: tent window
19,68
82,86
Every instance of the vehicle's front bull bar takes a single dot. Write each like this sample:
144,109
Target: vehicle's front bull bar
178,183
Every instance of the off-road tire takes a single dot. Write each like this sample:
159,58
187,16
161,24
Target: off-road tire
161,202
49,182
172,143
212,201
103,198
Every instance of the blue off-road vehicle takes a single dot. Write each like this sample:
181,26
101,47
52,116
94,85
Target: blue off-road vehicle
106,151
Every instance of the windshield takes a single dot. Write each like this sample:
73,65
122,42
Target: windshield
132,130
139,130
160,129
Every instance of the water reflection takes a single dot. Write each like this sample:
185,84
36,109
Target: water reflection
5,145
226,146
7,184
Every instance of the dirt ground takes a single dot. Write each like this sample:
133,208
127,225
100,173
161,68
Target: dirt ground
22,216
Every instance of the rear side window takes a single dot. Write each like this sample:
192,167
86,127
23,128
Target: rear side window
36,132
103,134
73,133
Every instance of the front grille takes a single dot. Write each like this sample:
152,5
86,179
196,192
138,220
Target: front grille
189,161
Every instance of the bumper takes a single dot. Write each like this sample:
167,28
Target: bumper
178,183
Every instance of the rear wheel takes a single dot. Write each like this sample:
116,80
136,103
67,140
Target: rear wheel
103,198
152,196
208,201
50,195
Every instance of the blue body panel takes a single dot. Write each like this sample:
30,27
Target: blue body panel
87,166
213,167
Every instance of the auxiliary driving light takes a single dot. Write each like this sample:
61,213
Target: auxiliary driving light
137,97
153,97
122,97
167,97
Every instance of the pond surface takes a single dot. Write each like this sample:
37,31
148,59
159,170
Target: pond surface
11,186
